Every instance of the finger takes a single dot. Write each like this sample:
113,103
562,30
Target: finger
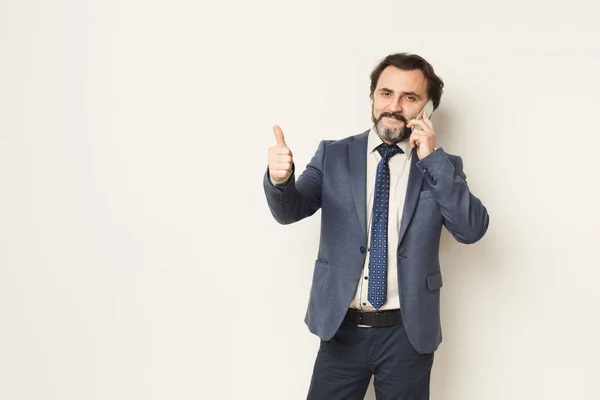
280,174
284,159
427,121
417,123
283,151
418,136
283,165
277,151
274,159
279,136
422,136
414,140
282,169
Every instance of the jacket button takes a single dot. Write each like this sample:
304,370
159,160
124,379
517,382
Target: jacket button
362,249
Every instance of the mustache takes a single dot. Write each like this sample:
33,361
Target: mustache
398,116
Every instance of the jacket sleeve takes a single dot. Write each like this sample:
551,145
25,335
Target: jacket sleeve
465,216
295,200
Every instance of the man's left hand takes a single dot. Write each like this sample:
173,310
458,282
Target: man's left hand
423,136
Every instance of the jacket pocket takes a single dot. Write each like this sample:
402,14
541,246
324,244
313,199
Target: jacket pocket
434,281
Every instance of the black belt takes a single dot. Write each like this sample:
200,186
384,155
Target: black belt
374,318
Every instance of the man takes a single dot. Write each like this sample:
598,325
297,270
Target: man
384,196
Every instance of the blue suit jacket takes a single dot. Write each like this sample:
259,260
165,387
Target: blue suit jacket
335,182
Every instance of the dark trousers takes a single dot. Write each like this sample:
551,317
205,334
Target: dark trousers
345,364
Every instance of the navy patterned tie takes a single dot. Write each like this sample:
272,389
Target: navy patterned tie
379,228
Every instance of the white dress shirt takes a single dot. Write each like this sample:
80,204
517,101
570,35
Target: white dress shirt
399,170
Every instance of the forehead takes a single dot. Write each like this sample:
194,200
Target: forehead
400,80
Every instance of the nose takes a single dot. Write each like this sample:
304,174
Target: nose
395,106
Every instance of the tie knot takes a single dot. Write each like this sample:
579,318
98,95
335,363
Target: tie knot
388,150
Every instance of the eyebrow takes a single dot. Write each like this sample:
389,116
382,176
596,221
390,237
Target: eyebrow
404,93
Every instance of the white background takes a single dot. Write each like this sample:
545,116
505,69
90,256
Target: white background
138,258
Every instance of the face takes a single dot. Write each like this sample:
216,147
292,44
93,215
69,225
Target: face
399,97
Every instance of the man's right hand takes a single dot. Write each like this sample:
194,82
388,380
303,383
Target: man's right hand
280,158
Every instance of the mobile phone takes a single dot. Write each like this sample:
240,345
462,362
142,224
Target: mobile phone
427,107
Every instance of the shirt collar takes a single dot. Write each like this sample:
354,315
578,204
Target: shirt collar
374,140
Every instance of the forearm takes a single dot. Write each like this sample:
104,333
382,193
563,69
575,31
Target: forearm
465,216
286,203
297,199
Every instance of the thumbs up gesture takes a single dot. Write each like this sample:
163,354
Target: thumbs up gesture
280,158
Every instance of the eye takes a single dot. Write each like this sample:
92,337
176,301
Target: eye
385,93
410,97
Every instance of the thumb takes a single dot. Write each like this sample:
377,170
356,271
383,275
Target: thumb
279,136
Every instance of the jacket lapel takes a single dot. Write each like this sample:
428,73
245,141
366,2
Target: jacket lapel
357,152
413,189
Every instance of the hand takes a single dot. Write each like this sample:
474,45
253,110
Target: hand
280,158
423,136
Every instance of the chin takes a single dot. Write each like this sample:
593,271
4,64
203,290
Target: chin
392,135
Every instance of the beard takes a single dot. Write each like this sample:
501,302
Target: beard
394,135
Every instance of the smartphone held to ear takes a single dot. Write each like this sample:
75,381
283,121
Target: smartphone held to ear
428,107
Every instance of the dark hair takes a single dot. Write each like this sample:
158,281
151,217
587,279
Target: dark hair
407,62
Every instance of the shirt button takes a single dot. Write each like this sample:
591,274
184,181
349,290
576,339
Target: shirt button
366,278
362,249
